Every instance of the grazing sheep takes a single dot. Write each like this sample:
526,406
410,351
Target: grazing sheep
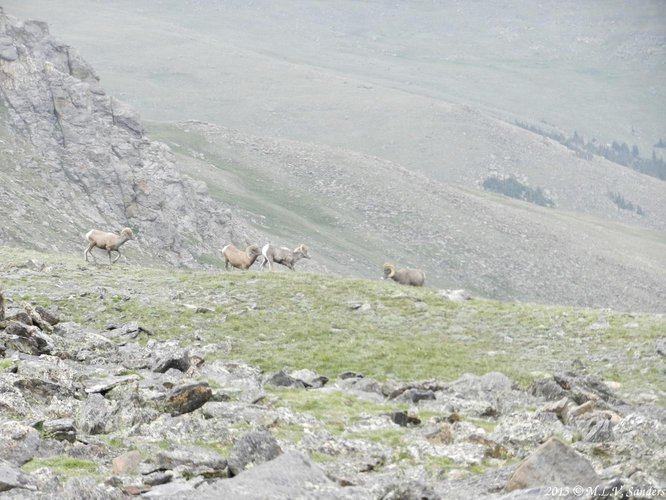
413,277
238,258
283,255
107,241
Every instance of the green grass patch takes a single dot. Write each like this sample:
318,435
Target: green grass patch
336,409
301,320
6,363
64,465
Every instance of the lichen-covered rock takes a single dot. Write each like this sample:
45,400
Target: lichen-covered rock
192,461
187,398
166,355
252,449
61,429
95,414
235,377
127,463
11,477
18,442
290,475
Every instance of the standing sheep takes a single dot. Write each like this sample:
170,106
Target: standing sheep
413,277
238,258
282,255
107,241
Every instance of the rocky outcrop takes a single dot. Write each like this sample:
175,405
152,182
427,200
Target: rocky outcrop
85,162
133,415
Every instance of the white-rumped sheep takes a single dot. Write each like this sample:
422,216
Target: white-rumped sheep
282,255
107,241
412,277
238,258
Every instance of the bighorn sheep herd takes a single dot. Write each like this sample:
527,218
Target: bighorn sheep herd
271,254
107,241
243,260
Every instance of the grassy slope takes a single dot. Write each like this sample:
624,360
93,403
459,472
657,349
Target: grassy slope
301,320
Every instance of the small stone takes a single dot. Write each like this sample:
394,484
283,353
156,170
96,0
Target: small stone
282,379
660,346
416,395
443,435
157,477
192,461
127,463
61,429
559,408
586,407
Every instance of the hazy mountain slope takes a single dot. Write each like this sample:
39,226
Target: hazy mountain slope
356,211
578,65
380,78
75,158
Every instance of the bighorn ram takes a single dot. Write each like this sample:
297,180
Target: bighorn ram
413,277
238,258
283,255
107,241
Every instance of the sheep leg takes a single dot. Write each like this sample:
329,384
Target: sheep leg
117,256
87,251
226,264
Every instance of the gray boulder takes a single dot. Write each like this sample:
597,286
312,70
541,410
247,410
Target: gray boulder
18,442
553,464
252,449
192,461
289,476
11,477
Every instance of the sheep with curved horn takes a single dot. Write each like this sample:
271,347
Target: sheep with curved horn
283,255
412,277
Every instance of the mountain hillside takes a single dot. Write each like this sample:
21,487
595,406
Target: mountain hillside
356,211
77,158
435,87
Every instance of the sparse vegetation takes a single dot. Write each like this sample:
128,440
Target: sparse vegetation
65,465
617,152
405,332
510,186
619,200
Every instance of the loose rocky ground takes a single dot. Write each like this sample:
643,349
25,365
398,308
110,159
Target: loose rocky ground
103,399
